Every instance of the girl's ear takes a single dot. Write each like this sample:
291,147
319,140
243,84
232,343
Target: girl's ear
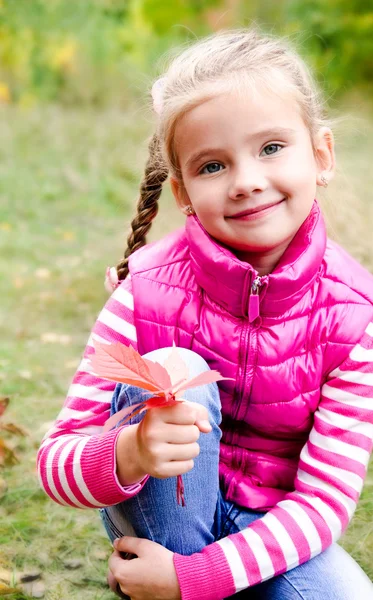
324,155
180,194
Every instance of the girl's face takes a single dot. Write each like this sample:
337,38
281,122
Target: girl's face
249,171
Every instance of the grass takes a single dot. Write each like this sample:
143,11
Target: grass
68,180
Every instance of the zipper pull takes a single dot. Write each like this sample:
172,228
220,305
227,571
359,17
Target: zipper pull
254,299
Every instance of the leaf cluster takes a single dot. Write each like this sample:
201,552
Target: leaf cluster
8,456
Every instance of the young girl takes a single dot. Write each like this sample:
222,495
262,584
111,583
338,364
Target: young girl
252,287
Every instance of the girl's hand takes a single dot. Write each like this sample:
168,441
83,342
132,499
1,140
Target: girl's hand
150,576
167,438
163,444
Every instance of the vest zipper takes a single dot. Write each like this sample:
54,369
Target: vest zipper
253,314
253,311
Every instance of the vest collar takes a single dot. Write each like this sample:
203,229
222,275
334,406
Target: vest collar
228,280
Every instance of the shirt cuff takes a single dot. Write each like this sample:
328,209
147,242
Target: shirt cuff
98,465
204,575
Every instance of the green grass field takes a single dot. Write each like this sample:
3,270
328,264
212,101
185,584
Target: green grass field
68,182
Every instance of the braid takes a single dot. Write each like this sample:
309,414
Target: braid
156,172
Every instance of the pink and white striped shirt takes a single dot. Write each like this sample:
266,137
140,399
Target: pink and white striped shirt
76,465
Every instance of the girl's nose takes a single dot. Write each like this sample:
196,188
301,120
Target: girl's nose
245,181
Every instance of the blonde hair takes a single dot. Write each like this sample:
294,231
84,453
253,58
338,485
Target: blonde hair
229,61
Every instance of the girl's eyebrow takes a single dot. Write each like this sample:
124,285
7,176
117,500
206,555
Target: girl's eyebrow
265,133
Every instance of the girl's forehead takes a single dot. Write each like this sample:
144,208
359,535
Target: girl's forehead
252,104
231,116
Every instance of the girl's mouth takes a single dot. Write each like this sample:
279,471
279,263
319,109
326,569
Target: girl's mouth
250,214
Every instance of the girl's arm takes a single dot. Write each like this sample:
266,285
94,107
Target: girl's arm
76,461
330,476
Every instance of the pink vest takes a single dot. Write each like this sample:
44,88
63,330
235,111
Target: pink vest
278,336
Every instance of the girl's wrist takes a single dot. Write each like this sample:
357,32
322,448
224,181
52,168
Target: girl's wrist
128,469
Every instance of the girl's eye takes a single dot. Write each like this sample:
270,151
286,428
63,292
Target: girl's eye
271,149
211,168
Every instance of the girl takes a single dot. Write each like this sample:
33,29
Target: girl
253,288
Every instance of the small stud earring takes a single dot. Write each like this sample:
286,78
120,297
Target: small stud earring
324,181
189,210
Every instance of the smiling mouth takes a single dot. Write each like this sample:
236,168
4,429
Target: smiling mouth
253,211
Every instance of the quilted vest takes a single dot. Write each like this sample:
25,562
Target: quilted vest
279,336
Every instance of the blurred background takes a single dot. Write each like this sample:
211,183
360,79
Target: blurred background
74,125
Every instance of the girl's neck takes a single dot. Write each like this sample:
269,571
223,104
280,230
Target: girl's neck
263,262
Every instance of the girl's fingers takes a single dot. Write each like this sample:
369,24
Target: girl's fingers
179,452
174,468
168,453
203,426
117,575
182,434
121,594
114,562
112,581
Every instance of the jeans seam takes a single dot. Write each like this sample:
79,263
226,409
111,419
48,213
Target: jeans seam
110,523
292,585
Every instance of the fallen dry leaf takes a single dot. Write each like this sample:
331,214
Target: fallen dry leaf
4,402
18,282
68,236
3,489
72,564
5,590
13,428
5,575
71,364
28,576
42,273
50,337
45,296
25,374
35,589
7,455
100,555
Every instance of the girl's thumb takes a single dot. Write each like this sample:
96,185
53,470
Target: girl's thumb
203,425
201,416
202,421
127,546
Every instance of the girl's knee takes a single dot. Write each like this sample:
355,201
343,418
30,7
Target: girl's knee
208,395
196,364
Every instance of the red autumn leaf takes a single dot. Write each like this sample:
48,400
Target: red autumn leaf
123,364
123,415
201,379
177,369
159,373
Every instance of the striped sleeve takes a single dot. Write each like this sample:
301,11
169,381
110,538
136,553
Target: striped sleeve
76,460
329,480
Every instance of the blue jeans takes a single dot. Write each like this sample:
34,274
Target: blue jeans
154,513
